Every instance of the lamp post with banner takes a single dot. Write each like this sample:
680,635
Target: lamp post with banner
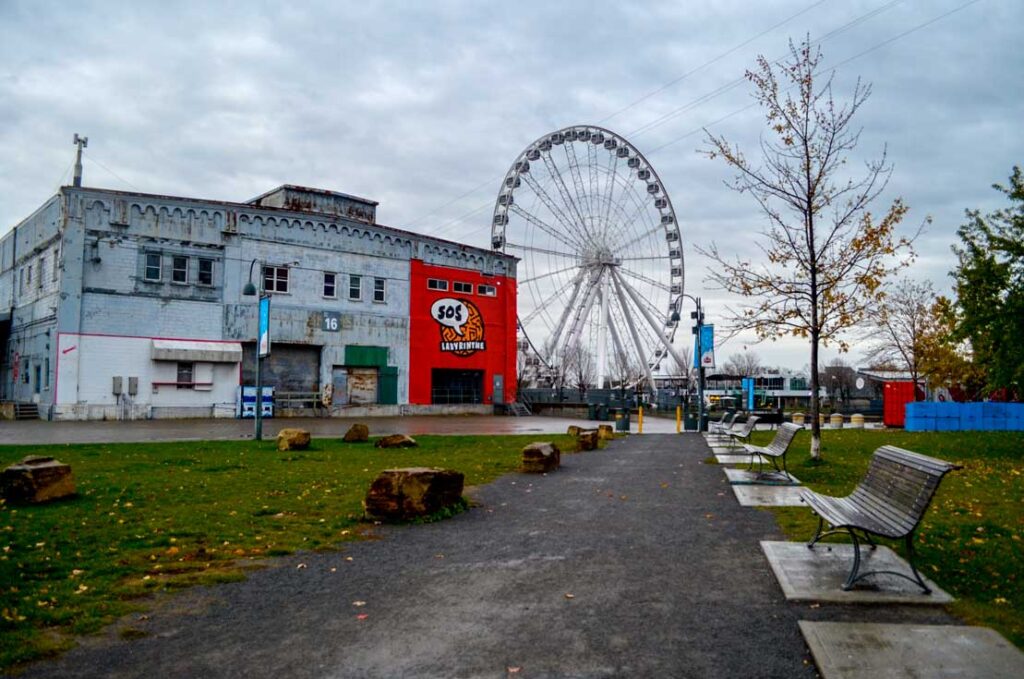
262,346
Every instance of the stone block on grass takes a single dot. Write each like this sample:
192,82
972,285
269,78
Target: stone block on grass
357,433
396,441
573,430
293,439
403,494
37,479
541,457
605,432
587,440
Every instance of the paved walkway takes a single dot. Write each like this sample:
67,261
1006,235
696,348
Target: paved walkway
41,432
633,561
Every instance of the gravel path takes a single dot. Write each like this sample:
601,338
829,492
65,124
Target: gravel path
634,561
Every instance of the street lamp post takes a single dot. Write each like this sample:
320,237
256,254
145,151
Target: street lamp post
250,291
698,318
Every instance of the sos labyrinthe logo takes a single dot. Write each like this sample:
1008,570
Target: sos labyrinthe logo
462,326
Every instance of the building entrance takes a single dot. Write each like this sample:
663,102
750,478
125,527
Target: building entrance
456,386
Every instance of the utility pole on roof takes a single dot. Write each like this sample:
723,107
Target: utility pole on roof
80,142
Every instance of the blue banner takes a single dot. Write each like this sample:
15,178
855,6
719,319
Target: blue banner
704,353
264,336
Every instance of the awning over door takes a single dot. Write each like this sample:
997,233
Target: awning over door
197,352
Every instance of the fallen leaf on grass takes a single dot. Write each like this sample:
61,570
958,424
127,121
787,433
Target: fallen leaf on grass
514,670
348,558
301,565
570,596
358,604
362,616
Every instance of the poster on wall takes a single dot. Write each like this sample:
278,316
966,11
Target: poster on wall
461,325
264,344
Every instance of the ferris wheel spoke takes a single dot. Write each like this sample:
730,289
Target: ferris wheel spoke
557,330
645,279
548,274
544,226
583,311
613,163
555,295
574,171
563,190
640,348
646,259
650,319
541,251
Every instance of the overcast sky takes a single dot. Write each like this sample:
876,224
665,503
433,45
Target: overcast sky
424,105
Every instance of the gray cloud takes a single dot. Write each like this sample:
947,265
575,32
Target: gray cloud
414,104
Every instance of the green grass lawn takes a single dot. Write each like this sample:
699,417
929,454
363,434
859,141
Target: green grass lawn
151,517
971,541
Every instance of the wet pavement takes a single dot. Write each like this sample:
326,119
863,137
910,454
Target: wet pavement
41,432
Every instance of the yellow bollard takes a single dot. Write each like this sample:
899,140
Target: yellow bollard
679,419
640,420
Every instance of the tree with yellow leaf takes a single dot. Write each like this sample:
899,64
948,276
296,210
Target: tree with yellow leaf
825,256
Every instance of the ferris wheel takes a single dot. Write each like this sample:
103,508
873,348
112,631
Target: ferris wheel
601,277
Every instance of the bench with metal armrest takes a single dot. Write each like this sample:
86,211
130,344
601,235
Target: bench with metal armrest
776,450
889,503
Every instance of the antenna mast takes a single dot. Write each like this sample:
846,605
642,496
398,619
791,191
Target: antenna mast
80,142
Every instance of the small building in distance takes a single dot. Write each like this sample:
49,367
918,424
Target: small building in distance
120,305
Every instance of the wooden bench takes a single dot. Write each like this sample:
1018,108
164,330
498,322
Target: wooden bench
776,450
889,503
742,432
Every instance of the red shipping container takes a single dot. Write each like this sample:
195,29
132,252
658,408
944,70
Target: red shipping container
895,398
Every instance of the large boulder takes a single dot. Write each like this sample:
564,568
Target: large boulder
292,439
573,430
37,479
541,457
396,441
401,494
605,432
357,433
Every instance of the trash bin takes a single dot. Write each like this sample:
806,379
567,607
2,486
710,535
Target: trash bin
690,422
602,412
591,411
622,419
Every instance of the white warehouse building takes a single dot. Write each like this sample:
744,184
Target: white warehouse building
118,305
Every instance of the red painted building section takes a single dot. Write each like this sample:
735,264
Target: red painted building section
895,398
462,336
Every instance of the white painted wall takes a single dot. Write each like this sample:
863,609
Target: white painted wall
87,364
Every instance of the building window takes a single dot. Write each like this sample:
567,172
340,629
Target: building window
435,284
179,270
205,271
39,278
152,267
275,278
379,290
355,288
46,372
487,290
185,375
29,275
330,284
459,286
56,261
21,281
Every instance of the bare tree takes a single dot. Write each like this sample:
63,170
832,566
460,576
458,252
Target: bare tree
745,364
580,369
839,380
824,256
901,327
